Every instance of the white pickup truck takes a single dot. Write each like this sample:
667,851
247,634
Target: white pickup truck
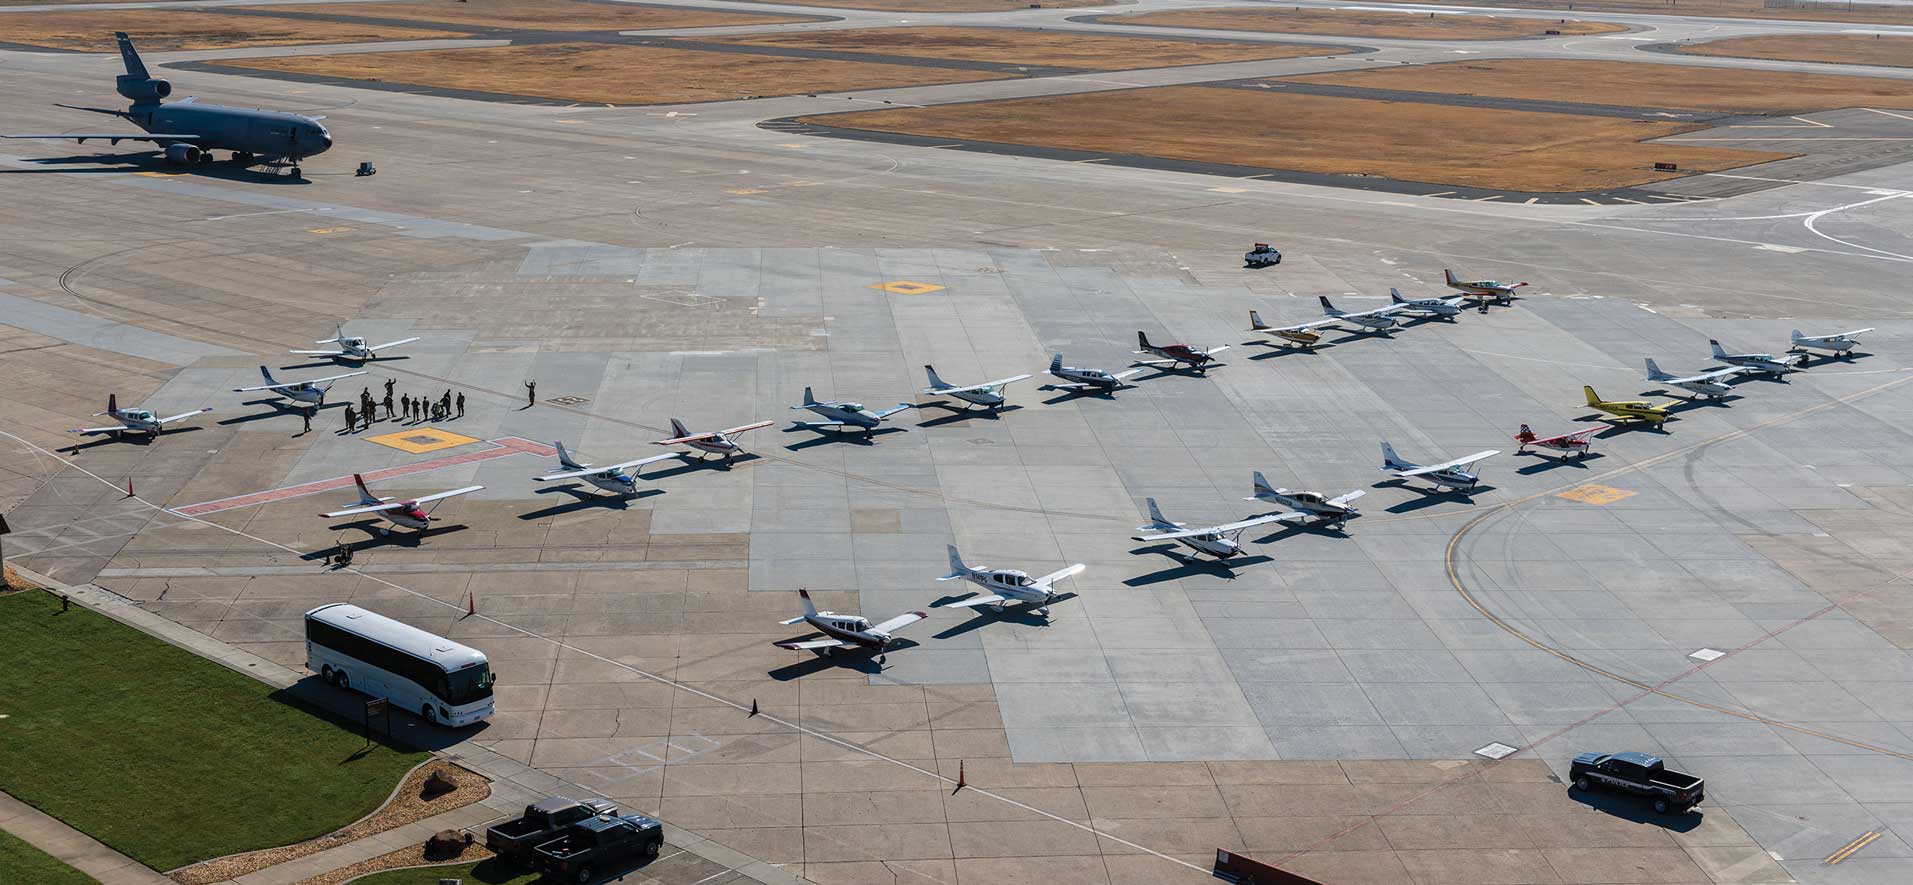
1262,255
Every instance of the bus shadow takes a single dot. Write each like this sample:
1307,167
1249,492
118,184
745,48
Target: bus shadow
346,709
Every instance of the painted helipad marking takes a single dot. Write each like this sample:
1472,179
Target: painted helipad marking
1708,654
501,448
1595,494
421,440
907,287
1497,750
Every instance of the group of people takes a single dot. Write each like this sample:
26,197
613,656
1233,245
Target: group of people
415,408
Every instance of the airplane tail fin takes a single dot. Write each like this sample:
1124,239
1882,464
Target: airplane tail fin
1718,352
134,67
1449,275
1155,515
1797,336
266,375
934,380
564,456
1056,363
112,403
1654,372
365,494
1392,461
1262,487
957,568
1328,309
1594,399
809,400
1395,296
1255,320
1142,341
809,607
677,428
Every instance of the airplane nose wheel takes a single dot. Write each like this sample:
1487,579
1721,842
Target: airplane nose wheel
1043,612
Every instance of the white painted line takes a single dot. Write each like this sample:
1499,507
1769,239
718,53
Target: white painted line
1497,750
1776,247
1888,113
1708,654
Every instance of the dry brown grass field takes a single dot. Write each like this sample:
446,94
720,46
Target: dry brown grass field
1838,49
1352,23
546,15
164,29
1075,50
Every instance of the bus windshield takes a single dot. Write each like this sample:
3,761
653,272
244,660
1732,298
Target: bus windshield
468,685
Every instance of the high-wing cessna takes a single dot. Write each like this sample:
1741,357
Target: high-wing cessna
1448,474
1298,335
1840,344
843,630
1378,319
1574,442
988,394
843,413
1495,289
610,477
716,442
1757,362
132,420
1627,410
1005,585
1307,505
1704,384
1086,379
309,391
1428,307
1173,355
352,348
1220,541
405,514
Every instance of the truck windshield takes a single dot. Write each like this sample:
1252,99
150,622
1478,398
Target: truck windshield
468,685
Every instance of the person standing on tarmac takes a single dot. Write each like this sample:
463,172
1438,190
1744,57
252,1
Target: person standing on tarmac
351,419
461,404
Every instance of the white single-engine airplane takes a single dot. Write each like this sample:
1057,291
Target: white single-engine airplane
1173,355
1495,289
988,394
1429,307
132,420
1448,474
1757,362
1379,319
610,477
843,630
1574,442
1307,505
1840,344
1220,541
352,348
1298,335
1086,379
1703,384
843,413
405,514
309,392
1006,585
715,442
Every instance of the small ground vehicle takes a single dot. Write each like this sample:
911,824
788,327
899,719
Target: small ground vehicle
1640,774
600,844
542,822
1262,255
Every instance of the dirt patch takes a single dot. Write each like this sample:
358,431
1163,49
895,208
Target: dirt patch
167,29
1681,87
1054,48
1349,23
938,5
617,74
1475,147
1838,49
547,15
411,856
1786,10
408,805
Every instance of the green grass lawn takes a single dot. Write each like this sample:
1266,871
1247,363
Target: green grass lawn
163,755
487,872
20,862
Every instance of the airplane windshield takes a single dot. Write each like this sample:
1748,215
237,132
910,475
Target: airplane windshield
854,407
140,414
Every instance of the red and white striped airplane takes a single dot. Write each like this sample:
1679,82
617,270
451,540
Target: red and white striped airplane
1576,442
405,514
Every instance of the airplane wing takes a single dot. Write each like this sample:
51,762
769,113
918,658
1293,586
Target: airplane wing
892,410
749,427
695,437
1345,499
1293,514
295,383
318,352
1121,375
984,386
902,620
1301,327
975,601
392,344
1055,576
443,495
171,419
116,137
1458,462
811,643
369,508
96,431
1214,350
571,474
825,424
1850,334
1247,523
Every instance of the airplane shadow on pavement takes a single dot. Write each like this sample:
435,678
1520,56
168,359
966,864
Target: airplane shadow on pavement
1015,613
1545,463
280,409
153,162
1064,396
860,660
692,465
393,537
583,497
1431,497
138,439
828,437
1190,567
958,413
1277,350
1616,429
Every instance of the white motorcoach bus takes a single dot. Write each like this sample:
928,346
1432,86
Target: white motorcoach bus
442,681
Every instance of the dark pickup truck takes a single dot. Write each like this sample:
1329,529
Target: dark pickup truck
605,842
542,822
1640,774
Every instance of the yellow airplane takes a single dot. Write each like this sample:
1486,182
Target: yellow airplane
1633,409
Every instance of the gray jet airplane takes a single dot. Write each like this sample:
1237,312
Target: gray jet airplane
187,132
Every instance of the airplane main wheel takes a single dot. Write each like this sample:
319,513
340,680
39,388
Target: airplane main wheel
998,607
295,172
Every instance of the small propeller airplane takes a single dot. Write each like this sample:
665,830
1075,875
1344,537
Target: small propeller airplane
1841,344
132,420
1086,379
404,514
1378,319
843,630
1173,355
988,394
1704,384
1765,363
1307,505
310,392
610,477
1220,541
716,442
352,348
843,413
1447,474
1494,289
1291,336
1006,585
1574,442
1447,308
1627,410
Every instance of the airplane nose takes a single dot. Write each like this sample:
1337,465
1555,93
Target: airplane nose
325,142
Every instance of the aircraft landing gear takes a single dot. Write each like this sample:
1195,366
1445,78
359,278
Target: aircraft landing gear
294,172
997,607
1043,612
242,157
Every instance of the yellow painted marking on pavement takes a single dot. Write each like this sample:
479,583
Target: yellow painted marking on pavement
744,191
421,440
1595,494
907,287
1589,202
159,174
1530,201
1097,160
328,230
1849,849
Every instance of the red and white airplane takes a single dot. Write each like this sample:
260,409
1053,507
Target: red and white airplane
1576,442
845,630
1173,355
716,442
405,514
1495,289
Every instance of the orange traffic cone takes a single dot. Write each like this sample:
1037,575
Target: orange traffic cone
961,780
129,487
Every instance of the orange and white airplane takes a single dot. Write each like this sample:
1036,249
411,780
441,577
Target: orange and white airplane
716,442
1494,289
405,514
1575,442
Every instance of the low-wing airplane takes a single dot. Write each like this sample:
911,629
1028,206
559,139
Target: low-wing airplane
1495,289
1428,307
1575,442
715,442
1448,474
843,630
1173,355
1627,410
405,514
310,391
1378,319
1840,344
988,394
1005,585
1703,384
610,477
132,420
352,348
1307,505
1086,379
1298,335
1757,362
1220,541
843,413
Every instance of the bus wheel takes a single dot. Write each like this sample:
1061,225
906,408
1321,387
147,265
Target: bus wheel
345,681
327,674
431,715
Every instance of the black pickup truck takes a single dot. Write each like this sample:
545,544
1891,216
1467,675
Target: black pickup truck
1640,774
605,842
541,823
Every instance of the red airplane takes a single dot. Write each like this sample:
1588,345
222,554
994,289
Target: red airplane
1175,354
1576,442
